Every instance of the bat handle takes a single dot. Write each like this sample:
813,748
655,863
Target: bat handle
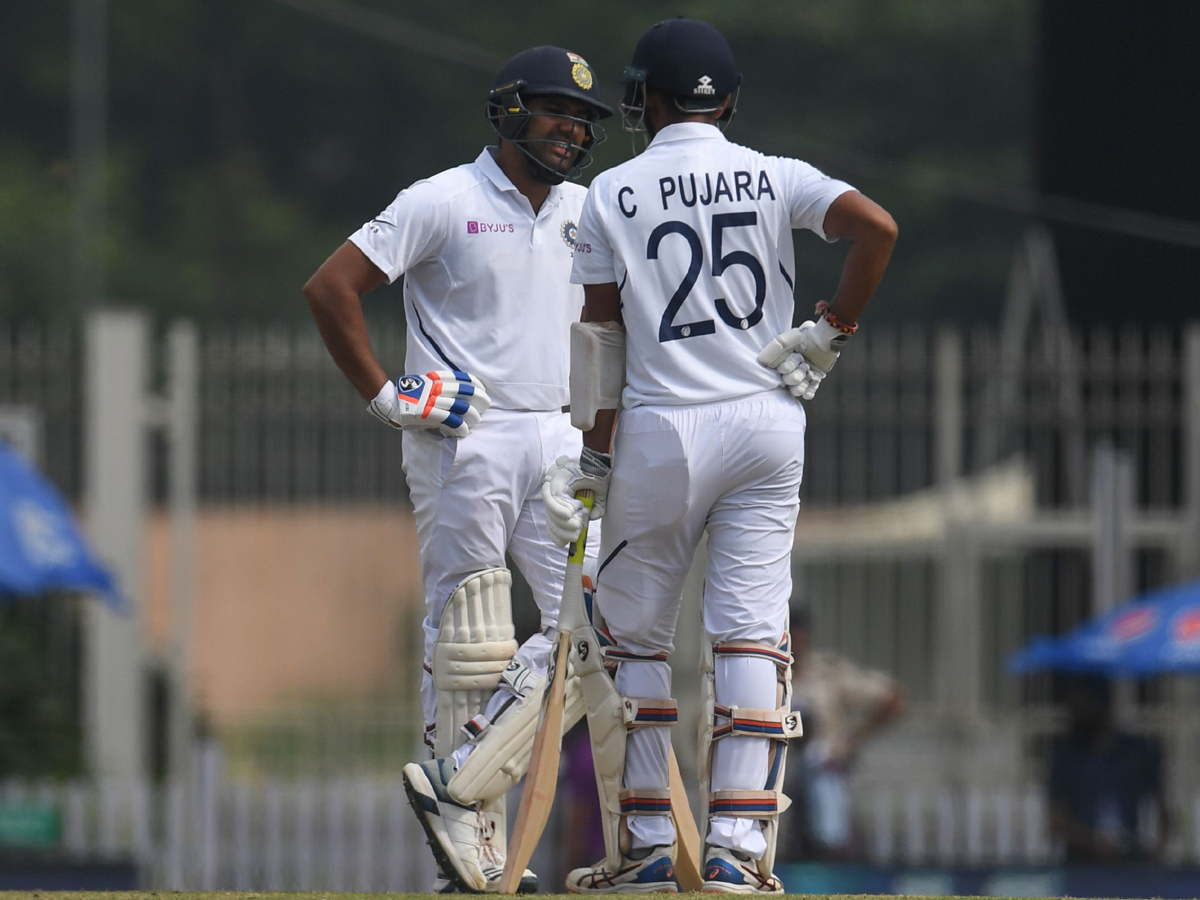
575,553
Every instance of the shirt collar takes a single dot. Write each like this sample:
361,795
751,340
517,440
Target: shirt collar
688,131
486,161
488,165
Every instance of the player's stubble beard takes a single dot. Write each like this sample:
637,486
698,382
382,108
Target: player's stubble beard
543,172
553,172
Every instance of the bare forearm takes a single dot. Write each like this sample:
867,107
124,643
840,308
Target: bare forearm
872,231
865,263
600,437
340,320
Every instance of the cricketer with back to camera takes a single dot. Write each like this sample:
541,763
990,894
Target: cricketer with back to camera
685,254
485,250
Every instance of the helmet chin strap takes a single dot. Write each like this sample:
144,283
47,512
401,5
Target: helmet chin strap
538,170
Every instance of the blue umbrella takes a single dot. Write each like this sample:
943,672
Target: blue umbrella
1156,632
41,548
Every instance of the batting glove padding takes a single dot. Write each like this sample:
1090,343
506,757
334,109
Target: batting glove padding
451,401
564,514
803,356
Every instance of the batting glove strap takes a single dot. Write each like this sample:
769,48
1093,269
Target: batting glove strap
594,463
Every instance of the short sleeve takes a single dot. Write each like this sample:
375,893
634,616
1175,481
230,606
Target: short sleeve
410,230
808,193
594,260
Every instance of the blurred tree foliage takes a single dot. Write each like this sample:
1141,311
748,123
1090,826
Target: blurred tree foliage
249,137
40,732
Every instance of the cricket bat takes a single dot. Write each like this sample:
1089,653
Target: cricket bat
687,836
542,777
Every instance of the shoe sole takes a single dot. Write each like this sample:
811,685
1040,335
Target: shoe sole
661,887
724,887
737,889
416,800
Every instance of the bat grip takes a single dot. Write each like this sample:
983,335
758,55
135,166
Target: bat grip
575,554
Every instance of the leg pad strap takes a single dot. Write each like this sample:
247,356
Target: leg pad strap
645,802
645,712
744,804
777,724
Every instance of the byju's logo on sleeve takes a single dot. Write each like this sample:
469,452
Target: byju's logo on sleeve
474,227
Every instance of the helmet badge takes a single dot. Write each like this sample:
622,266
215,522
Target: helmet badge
705,86
582,75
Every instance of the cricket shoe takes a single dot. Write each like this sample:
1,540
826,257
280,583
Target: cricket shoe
654,872
731,872
466,863
444,884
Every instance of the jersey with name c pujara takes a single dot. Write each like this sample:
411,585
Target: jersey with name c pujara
697,234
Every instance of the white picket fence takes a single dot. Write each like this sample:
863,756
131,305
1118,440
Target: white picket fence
359,834
300,835
978,826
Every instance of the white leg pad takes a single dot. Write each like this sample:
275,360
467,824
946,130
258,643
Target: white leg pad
503,746
778,725
476,642
610,719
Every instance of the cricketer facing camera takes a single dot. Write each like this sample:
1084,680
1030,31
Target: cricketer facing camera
486,252
686,256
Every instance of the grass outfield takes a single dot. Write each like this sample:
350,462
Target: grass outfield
327,895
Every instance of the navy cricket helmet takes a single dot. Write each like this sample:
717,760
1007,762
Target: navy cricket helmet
541,72
687,59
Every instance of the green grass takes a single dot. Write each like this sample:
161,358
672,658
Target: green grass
326,895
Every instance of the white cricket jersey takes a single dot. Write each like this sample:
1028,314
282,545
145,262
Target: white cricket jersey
697,233
486,287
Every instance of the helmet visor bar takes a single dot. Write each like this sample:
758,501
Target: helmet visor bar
510,117
633,104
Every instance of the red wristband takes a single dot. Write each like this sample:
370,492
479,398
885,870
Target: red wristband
822,311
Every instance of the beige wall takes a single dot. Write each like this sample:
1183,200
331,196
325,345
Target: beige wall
306,602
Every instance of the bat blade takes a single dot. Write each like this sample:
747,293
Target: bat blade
541,779
687,861
537,796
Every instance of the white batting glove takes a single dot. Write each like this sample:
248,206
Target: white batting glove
803,356
451,401
564,514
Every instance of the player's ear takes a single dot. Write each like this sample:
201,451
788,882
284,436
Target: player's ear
656,104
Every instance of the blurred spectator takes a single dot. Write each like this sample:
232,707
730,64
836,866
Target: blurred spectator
1100,778
841,705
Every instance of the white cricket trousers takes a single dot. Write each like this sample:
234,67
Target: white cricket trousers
475,498
732,469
